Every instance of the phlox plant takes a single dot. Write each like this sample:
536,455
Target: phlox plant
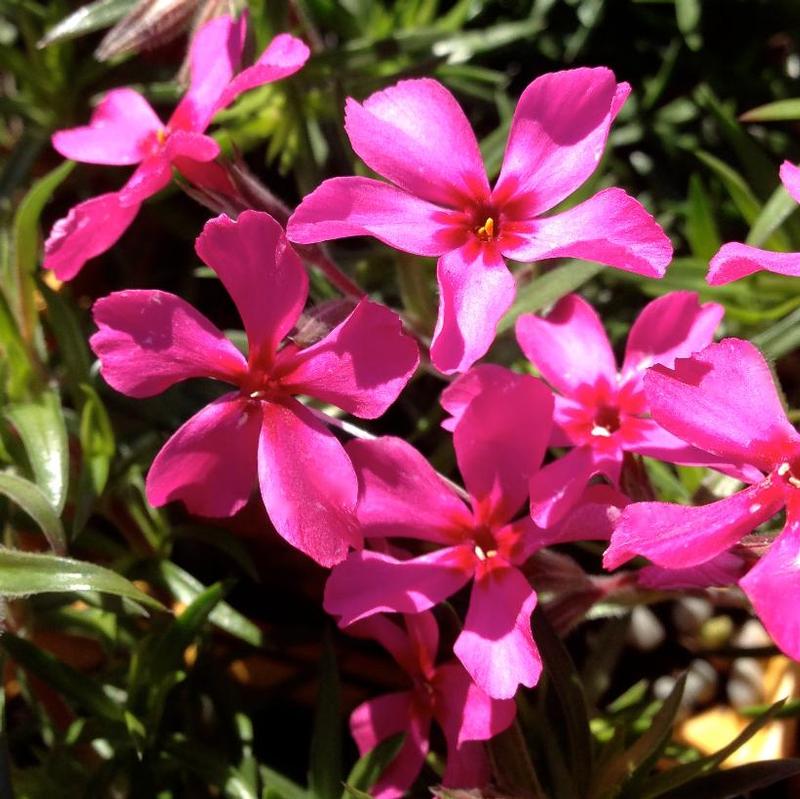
468,491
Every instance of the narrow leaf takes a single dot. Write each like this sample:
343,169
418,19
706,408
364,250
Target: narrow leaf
325,769
87,19
779,111
41,427
548,289
367,769
24,573
36,504
737,782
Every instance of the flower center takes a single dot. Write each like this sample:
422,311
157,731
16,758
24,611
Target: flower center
606,421
487,231
485,545
788,472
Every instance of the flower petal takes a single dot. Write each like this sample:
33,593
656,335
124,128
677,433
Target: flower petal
656,442
378,719
149,340
558,135
569,346
556,488
773,586
457,396
354,206
735,261
210,462
467,766
88,230
500,442
307,483
496,644
790,177
476,289
361,366
368,582
402,133
723,570
214,57
152,175
283,56
402,496
723,400
121,132
261,272
464,711
673,326
678,536
611,228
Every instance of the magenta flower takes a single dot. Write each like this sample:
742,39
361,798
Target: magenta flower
416,135
735,260
124,130
601,412
724,401
442,693
149,340
499,443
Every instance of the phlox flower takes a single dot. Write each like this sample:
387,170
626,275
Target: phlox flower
443,693
124,130
149,340
499,443
600,410
735,260
724,401
439,202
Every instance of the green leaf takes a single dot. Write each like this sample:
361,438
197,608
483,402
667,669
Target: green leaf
325,759
276,785
186,588
781,338
73,685
564,681
688,14
774,213
672,779
737,187
367,769
36,504
88,18
24,573
737,782
15,366
701,227
26,246
547,289
97,449
41,427
512,765
779,111
634,764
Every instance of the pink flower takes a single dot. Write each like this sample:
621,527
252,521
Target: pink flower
442,693
124,130
149,340
416,135
499,443
724,401
600,412
735,260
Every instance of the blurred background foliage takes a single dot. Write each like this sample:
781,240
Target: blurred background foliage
183,658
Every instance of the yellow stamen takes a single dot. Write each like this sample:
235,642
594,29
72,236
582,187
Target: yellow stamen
486,231
161,135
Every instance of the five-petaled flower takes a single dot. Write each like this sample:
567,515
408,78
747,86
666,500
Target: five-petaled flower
149,340
124,130
601,412
443,693
416,135
499,442
724,401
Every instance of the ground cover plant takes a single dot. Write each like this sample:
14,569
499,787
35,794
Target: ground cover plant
399,398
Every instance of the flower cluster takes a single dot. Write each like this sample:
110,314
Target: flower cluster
544,453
